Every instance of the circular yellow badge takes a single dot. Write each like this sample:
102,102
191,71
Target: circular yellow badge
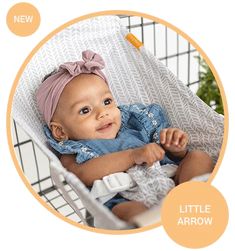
194,214
23,19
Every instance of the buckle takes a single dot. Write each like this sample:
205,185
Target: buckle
118,182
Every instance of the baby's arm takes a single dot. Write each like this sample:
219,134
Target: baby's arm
99,167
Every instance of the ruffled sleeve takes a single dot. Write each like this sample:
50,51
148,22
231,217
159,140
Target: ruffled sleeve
151,119
83,153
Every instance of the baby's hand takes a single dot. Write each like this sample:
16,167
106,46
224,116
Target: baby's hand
173,140
148,154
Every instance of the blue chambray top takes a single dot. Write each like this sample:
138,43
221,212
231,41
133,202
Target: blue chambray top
140,125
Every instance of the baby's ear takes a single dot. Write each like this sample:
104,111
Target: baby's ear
58,132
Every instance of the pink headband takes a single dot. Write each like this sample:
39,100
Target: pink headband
49,92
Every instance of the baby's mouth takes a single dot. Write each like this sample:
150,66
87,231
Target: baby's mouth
105,127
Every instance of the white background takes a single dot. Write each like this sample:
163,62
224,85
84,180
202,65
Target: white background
24,223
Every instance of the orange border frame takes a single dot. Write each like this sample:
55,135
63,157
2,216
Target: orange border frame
9,107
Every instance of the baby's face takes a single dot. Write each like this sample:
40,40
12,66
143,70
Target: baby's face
87,110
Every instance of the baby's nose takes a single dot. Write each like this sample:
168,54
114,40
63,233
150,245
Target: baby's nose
102,113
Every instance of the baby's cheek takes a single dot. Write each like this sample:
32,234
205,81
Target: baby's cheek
118,116
118,112
83,129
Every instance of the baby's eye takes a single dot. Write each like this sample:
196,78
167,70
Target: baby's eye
108,101
84,110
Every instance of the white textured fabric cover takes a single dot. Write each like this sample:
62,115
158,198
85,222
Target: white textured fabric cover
133,75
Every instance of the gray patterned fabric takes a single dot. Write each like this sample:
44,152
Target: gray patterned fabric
134,77
152,184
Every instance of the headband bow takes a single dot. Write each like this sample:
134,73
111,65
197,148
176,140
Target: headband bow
49,92
93,63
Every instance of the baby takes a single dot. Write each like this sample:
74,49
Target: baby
82,118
